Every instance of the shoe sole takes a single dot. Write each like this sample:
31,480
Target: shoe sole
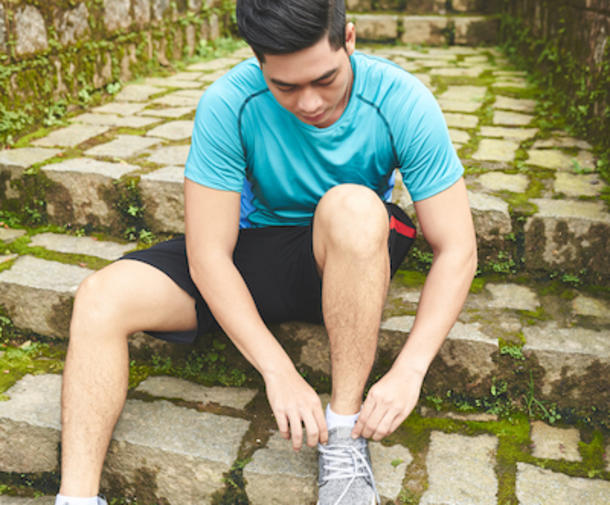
373,502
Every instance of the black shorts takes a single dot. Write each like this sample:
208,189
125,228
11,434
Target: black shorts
278,266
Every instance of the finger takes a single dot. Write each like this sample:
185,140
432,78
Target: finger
311,429
383,428
282,425
373,421
365,412
320,420
297,431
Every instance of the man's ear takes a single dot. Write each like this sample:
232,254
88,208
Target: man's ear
350,38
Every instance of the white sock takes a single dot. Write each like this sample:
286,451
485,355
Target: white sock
333,420
70,500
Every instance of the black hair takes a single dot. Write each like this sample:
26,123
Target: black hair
287,26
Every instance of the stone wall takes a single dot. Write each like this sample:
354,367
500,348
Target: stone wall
53,50
567,44
422,6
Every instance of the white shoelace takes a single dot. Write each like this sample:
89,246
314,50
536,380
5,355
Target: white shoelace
346,462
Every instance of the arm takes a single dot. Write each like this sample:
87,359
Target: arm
447,225
212,225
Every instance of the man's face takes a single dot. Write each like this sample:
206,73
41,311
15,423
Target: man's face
313,83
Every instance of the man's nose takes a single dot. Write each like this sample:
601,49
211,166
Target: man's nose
309,100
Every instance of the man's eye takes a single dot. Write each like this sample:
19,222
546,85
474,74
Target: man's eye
327,82
285,89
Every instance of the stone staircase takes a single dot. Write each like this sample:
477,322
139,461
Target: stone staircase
523,338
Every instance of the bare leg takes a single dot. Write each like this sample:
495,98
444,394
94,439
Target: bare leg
125,297
350,246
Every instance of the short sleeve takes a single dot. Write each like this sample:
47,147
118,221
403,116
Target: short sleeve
216,158
427,159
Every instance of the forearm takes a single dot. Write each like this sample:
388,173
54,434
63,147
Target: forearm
441,301
231,303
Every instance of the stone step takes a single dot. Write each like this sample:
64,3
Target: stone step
176,441
563,335
433,30
416,6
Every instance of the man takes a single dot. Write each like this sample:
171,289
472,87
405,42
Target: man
291,159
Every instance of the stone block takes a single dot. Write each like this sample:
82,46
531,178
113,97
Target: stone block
120,108
576,362
464,5
136,93
457,71
30,425
376,26
122,147
358,5
569,235
555,443
88,246
73,24
159,8
116,14
163,195
501,117
170,112
83,191
153,461
164,82
459,136
30,31
462,98
424,30
71,136
592,307
473,480
170,155
496,150
558,160
512,296
171,387
38,294
518,134
492,220
15,500
536,485
454,120
574,185
499,181
176,99
174,130
2,30
515,104
476,30
114,120
8,235
141,12
25,157
421,6
562,142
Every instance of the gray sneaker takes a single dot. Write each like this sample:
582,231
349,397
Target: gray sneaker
345,474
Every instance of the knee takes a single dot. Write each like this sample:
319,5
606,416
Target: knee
353,217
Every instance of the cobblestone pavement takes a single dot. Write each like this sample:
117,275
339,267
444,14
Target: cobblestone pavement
182,442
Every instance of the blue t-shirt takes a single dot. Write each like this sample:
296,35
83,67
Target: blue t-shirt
244,141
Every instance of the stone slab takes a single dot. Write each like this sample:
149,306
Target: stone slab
174,130
568,234
171,387
566,355
25,157
214,76
424,30
163,82
119,108
82,191
170,112
16,500
473,480
512,296
458,105
501,117
514,104
170,155
5,258
510,83
114,120
376,26
467,121
38,294
163,194
499,181
555,443
457,71
496,150
492,220
123,146
558,160
298,472
81,245
30,425
186,465
536,486
562,142
30,31
593,307
518,134
8,235
459,136
136,93
71,136
215,64
176,100
575,185
466,93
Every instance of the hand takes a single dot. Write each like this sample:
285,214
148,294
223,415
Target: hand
388,404
293,402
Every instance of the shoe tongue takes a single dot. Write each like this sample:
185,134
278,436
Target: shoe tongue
343,435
